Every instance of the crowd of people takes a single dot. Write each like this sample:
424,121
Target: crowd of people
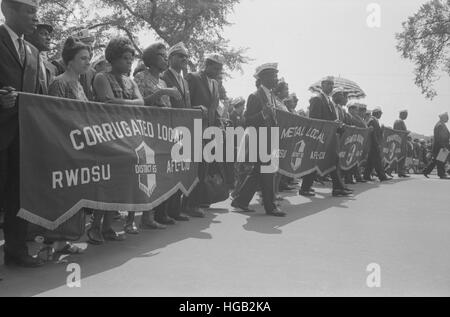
161,79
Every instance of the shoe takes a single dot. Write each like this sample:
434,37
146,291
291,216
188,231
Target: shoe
307,193
92,239
403,175
204,206
117,216
286,187
426,175
181,218
166,221
276,213
70,248
348,190
151,225
444,177
361,180
385,179
195,212
23,261
131,228
111,235
279,198
240,207
341,193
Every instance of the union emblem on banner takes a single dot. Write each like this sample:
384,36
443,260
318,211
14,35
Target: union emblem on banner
146,168
297,155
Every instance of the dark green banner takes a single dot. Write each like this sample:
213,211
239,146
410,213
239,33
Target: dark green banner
79,154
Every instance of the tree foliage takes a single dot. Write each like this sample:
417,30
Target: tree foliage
425,40
197,23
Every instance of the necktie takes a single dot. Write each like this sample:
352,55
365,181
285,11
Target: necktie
21,51
181,82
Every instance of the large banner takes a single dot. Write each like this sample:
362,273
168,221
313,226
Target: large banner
394,145
108,157
353,147
306,145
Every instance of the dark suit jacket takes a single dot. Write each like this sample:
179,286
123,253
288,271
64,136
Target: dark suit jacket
355,121
22,78
202,96
253,113
377,132
400,125
441,137
171,81
237,120
321,108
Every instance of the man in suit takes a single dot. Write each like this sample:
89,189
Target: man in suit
374,160
41,39
321,107
260,112
401,126
353,119
19,69
441,141
173,77
204,93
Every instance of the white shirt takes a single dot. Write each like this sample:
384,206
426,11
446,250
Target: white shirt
269,96
14,38
179,78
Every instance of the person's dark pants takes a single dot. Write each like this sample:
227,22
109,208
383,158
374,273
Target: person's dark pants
161,212
15,229
440,165
401,167
250,185
174,205
308,181
354,172
374,162
198,195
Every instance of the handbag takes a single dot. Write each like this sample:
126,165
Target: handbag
71,230
442,156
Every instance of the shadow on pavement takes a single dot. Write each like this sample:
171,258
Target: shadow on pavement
98,259
261,223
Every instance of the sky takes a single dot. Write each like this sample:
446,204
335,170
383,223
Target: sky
311,39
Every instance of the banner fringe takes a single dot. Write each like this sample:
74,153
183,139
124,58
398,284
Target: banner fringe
53,225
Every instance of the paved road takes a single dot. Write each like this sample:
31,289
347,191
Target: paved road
322,248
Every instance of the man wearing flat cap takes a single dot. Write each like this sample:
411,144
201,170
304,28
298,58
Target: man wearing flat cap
260,112
19,69
204,94
173,76
374,159
353,119
441,137
41,39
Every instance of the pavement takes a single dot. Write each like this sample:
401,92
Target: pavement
394,236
